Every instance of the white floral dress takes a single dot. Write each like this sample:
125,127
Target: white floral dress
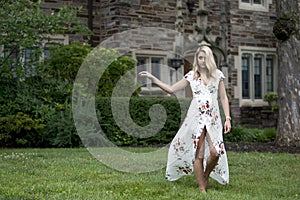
203,112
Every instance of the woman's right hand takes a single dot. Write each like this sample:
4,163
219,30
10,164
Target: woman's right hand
146,74
167,88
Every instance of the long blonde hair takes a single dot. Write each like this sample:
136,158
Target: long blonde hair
209,62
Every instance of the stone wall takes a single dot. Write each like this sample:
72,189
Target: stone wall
251,29
236,27
114,16
258,117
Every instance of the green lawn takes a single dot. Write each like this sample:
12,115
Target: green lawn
75,174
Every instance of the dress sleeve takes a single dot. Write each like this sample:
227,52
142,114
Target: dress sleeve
221,75
189,76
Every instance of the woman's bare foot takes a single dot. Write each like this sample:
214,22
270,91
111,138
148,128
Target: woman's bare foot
203,185
202,189
206,182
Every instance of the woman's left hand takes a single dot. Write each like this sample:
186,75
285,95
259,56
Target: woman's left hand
227,126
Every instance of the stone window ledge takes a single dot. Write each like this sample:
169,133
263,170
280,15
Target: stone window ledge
256,7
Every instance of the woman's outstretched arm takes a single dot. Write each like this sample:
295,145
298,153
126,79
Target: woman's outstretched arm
167,88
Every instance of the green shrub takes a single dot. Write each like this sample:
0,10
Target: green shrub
243,134
60,130
113,75
20,130
271,96
139,113
45,97
272,99
66,60
42,98
270,134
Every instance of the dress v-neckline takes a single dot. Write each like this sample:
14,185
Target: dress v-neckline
205,84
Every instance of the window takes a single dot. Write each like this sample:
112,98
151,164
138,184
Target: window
46,51
269,75
245,77
255,5
151,64
257,74
253,2
31,56
13,55
257,1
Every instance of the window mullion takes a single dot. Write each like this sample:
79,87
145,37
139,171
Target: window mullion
263,74
252,85
149,69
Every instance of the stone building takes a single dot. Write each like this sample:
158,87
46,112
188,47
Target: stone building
239,32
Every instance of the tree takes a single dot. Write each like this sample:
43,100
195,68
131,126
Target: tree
34,107
24,26
286,29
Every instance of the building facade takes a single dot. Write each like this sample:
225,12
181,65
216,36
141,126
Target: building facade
239,32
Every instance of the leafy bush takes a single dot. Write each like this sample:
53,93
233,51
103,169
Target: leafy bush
39,100
115,74
45,98
139,113
243,134
66,60
20,130
32,92
60,130
272,99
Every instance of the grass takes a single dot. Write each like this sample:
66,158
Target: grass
75,174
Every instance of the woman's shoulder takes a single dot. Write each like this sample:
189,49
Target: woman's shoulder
189,76
191,72
218,71
220,74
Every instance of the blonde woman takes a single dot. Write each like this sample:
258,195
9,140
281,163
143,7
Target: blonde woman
198,145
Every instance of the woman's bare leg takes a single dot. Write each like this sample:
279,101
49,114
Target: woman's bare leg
198,164
211,162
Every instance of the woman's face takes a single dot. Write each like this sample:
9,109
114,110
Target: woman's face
201,60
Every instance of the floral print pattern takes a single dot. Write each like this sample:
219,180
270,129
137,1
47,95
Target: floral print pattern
203,112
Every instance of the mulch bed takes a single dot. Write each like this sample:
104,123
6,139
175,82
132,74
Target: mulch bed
261,147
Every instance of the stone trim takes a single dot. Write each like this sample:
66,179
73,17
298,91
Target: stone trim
264,7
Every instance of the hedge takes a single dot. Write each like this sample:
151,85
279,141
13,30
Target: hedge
58,129
139,114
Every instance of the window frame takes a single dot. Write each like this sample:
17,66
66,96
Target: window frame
263,6
167,74
149,67
252,53
23,53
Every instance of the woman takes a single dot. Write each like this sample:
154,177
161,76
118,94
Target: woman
198,145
